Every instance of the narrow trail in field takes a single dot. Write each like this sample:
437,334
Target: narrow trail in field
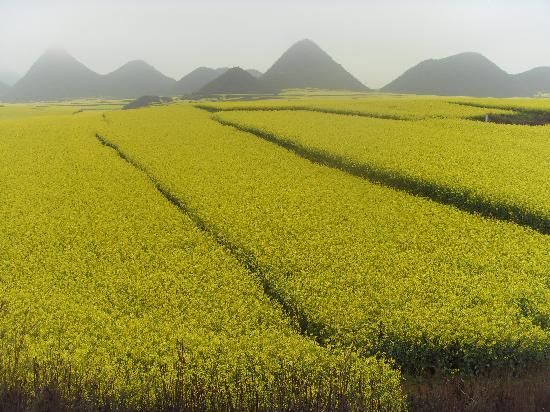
520,116
246,258
305,109
464,200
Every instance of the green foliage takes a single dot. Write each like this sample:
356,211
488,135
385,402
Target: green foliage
501,171
184,264
111,298
377,106
23,111
357,264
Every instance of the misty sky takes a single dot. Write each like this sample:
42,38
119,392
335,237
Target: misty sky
374,40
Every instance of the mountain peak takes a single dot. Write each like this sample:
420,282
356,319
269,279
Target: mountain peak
57,60
137,63
536,70
305,43
136,78
306,65
197,79
463,74
56,55
56,75
465,60
305,49
469,54
468,58
134,66
235,80
535,81
236,69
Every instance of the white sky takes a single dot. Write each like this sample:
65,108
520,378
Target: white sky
374,40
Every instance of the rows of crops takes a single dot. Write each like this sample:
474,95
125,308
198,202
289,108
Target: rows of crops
111,298
211,269
359,265
504,104
25,111
377,107
475,166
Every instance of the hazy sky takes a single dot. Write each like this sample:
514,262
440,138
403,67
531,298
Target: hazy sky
374,40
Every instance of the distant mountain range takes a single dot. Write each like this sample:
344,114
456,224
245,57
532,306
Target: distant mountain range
56,75
304,65
469,74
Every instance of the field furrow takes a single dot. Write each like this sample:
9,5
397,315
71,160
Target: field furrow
209,107
364,266
112,299
388,107
498,171
243,256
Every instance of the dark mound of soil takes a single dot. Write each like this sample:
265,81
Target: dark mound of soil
520,117
145,101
